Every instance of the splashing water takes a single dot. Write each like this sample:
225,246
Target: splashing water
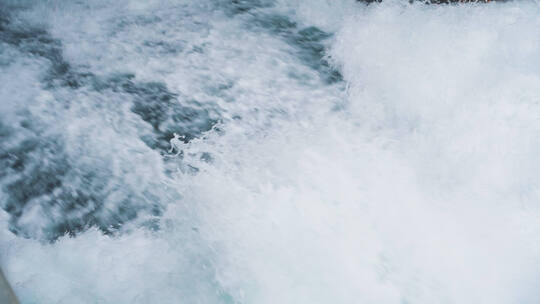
270,151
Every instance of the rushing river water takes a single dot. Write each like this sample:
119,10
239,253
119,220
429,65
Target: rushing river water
327,151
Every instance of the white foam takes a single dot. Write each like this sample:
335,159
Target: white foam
423,189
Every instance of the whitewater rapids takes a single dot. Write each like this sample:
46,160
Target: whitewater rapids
333,152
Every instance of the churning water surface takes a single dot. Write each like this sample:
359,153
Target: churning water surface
327,151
